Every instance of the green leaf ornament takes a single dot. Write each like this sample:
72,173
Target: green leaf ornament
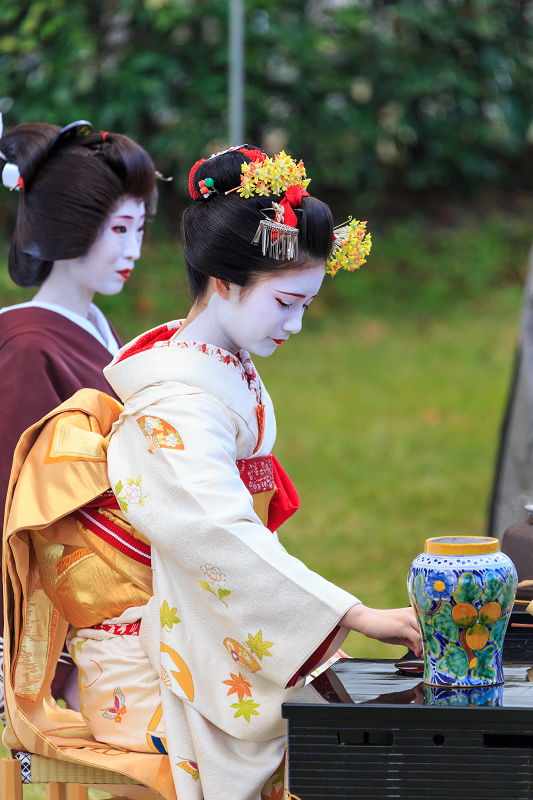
443,621
483,669
498,632
432,642
467,590
422,601
493,587
454,661
507,598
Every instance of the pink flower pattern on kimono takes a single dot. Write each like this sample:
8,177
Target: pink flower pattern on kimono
151,424
214,582
132,493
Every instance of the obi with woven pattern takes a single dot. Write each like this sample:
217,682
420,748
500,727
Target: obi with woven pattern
107,567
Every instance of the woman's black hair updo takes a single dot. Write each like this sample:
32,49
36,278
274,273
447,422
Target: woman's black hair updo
69,191
217,232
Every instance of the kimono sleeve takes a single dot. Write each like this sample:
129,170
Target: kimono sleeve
231,585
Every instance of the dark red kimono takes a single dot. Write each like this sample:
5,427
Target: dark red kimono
44,359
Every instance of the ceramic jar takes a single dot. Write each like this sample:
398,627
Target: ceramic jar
462,590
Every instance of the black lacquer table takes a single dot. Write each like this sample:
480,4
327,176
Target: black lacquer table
364,730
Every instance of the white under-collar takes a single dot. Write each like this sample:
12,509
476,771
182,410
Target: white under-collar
96,324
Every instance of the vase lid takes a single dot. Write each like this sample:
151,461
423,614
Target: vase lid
461,545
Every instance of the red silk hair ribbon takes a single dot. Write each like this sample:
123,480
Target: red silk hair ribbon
292,199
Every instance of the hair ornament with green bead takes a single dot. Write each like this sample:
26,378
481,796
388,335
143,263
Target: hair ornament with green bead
207,188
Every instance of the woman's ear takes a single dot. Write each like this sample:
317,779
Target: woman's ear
222,288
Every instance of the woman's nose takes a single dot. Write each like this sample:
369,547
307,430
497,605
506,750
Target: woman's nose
294,323
133,246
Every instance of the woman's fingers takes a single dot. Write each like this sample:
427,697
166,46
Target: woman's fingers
392,626
414,633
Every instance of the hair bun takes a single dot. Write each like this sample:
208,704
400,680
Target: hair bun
27,145
224,168
217,235
72,183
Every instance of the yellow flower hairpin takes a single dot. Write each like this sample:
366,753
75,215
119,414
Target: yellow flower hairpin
350,246
271,176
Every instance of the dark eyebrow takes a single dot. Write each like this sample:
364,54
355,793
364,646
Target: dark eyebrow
127,216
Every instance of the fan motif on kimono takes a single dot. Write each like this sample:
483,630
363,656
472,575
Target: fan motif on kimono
160,434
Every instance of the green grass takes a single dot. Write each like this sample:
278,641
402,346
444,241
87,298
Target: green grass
388,404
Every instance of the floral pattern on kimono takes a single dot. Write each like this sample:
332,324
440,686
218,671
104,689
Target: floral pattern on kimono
224,659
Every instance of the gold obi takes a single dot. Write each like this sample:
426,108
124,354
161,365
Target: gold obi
89,580
87,576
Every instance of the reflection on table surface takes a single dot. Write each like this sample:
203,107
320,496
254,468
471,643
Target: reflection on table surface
362,681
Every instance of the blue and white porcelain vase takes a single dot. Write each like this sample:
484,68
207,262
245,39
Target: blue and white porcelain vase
462,590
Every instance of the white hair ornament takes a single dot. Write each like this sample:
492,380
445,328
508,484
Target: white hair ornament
11,177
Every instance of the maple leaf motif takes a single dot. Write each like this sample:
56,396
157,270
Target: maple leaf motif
168,616
239,685
245,708
257,646
274,795
279,775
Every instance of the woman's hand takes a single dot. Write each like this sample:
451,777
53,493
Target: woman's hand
392,626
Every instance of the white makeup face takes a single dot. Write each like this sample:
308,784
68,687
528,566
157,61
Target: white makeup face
266,315
109,262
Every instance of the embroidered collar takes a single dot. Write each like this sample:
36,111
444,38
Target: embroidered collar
242,362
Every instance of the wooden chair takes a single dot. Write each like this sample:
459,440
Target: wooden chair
63,779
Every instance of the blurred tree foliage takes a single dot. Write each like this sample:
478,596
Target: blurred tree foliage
374,95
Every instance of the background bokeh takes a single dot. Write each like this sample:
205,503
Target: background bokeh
416,115
377,97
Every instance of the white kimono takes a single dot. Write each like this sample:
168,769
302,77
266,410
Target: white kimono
233,617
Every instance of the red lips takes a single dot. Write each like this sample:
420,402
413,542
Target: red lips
279,341
125,273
